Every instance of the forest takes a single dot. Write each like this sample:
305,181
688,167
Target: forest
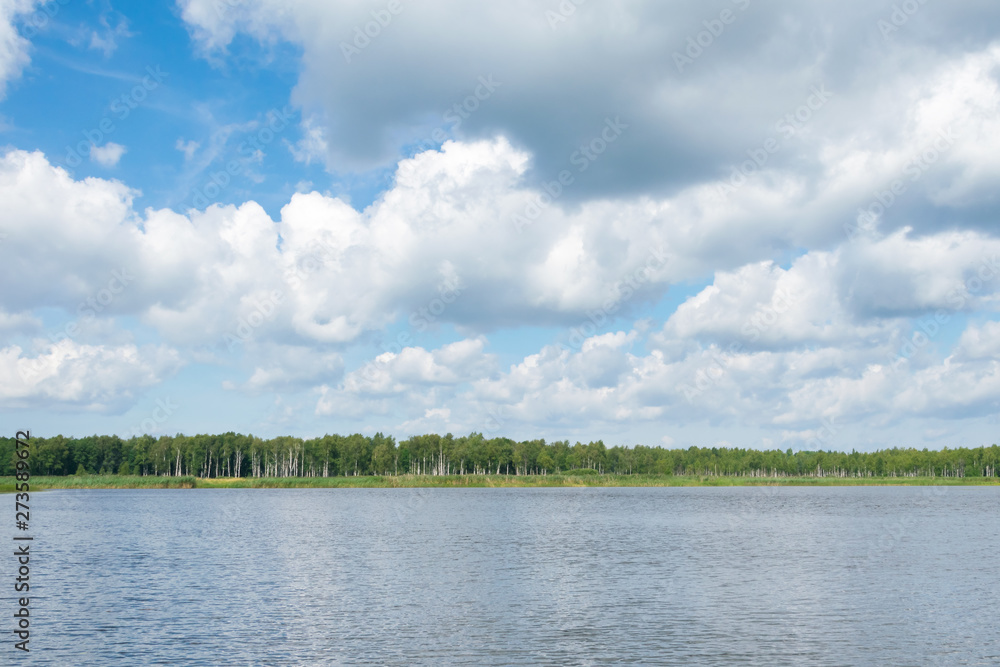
236,455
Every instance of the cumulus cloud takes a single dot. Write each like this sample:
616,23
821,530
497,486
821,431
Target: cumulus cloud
391,373
977,342
860,294
287,368
948,390
434,420
325,272
687,125
414,379
18,322
795,394
816,273
75,375
762,305
905,275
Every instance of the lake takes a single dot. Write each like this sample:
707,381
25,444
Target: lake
559,576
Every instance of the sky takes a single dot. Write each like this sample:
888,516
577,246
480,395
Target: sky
672,223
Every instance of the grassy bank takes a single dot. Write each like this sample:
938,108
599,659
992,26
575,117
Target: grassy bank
477,481
41,483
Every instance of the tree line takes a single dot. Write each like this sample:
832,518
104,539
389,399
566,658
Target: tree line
237,455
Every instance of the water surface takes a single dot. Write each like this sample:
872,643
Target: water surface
563,576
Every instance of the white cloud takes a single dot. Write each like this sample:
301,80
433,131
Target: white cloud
313,145
414,379
434,420
762,305
324,274
287,368
391,373
861,294
979,342
945,390
340,272
106,40
13,47
107,155
74,375
187,147
889,97
804,390
18,322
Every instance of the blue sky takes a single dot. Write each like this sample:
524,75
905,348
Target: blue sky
662,223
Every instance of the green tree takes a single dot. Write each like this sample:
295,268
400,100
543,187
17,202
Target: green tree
545,462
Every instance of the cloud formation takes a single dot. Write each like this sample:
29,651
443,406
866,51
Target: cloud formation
13,46
107,155
754,218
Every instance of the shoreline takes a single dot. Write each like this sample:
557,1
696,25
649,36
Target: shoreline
43,483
